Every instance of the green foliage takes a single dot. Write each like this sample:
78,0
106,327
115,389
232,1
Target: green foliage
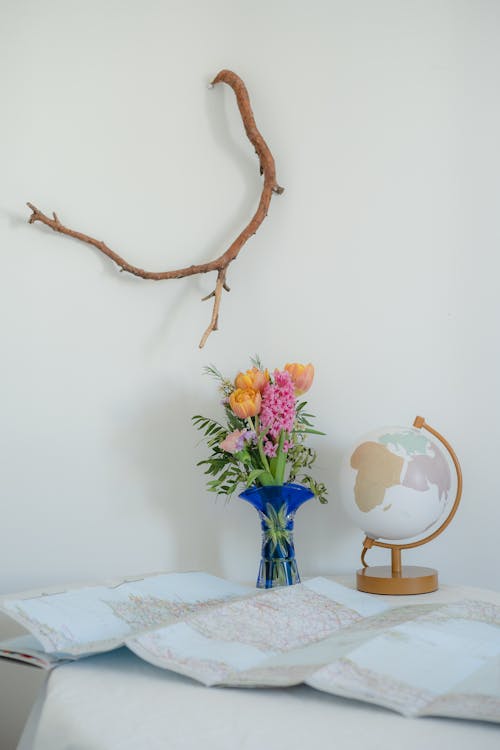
303,457
228,471
257,362
225,385
318,488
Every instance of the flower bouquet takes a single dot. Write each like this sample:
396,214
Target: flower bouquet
261,450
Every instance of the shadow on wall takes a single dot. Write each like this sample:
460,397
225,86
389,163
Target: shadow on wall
324,535
15,216
158,448
219,101
230,222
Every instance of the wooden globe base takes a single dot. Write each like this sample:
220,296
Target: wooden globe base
412,579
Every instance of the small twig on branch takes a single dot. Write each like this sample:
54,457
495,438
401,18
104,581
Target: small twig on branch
220,264
217,294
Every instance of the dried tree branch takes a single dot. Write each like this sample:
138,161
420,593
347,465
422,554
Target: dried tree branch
220,264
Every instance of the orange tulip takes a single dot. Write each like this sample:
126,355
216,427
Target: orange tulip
254,378
302,376
245,402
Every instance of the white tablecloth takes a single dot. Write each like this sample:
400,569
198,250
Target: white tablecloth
118,702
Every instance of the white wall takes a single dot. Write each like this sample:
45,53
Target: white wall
379,264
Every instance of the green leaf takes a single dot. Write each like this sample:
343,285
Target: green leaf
279,473
266,479
255,474
243,456
256,360
275,531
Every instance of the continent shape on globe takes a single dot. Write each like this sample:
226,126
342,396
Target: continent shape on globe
401,484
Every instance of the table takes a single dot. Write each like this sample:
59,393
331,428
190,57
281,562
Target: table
118,702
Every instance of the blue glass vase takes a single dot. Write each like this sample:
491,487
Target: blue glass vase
276,506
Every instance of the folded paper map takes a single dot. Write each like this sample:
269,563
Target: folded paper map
419,660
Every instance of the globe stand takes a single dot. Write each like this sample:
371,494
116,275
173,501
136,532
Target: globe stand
398,579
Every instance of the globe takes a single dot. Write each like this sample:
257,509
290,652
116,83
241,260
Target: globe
395,483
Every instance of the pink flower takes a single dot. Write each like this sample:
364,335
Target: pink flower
270,449
278,405
233,442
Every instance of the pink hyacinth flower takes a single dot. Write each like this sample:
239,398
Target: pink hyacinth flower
278,405
270,449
